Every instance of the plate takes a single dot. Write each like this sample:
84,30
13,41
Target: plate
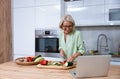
19,62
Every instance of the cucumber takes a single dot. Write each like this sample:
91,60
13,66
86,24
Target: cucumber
57,63
68,64
38,59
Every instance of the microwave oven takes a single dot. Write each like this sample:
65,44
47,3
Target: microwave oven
114,16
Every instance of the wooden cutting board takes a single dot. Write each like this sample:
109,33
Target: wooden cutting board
55,67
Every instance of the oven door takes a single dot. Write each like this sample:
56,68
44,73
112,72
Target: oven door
47,46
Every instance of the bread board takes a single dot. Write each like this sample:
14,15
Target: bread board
17,61
55,67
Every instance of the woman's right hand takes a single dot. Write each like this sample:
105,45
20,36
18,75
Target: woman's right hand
62,53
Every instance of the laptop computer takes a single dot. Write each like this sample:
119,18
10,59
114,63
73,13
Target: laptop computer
92,66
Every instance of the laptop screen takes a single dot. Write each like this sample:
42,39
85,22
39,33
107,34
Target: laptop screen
92,66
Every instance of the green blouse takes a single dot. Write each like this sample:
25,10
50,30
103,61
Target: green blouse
73,44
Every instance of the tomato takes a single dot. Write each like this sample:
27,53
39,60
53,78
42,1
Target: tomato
29,59
44,62
64,61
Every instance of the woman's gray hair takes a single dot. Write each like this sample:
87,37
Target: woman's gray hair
68,18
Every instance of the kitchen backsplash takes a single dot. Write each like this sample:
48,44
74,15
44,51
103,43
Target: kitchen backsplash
90,35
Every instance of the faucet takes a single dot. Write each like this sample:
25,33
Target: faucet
102,44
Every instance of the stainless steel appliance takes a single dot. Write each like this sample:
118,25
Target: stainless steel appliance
102,44
46,43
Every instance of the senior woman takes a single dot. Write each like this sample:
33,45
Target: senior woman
70,40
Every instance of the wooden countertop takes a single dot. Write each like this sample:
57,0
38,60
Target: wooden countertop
11,70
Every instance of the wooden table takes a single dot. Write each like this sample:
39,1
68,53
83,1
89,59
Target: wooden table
11,70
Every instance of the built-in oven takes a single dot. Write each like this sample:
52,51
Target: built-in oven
46,43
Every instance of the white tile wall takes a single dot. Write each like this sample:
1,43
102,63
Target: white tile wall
90,35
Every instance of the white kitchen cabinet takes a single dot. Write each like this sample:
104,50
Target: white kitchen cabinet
93,12
47,16
112,1
47,2
85,12
29,15
112,14
73,6
93,2
91,15
23,32
23,3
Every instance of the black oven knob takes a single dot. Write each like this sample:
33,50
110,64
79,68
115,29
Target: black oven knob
47,32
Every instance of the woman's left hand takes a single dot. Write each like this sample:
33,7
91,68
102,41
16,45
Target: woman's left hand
70,59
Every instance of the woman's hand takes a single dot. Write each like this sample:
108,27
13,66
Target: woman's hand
73,57
70,59
62,53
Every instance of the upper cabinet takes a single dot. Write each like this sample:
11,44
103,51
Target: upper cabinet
47,14
112,2
47,2
22,3
94,12
86,13
93,2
